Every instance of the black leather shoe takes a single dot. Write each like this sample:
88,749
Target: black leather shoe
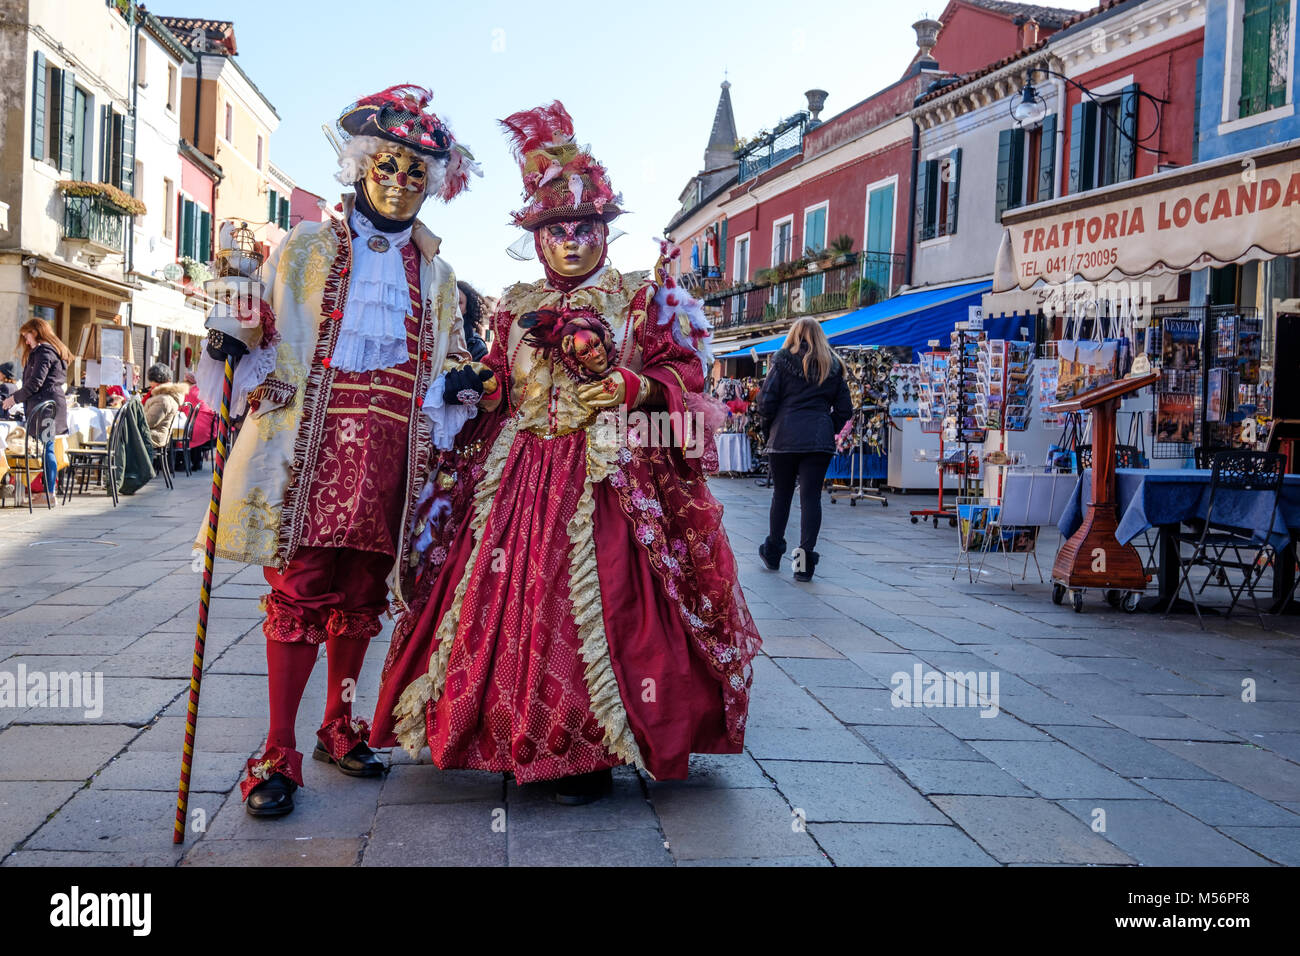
583,788
810,559
360,761
272,797
771,555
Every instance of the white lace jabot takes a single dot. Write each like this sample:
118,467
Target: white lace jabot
372,333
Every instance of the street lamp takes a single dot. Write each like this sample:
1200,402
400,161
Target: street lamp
1029,109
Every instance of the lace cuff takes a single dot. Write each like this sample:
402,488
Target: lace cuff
447,420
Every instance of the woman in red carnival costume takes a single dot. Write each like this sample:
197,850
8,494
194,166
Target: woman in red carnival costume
578,606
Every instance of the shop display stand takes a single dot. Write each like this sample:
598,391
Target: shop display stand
869,391
932,416
1092,558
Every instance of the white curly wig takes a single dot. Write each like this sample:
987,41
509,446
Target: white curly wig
354,163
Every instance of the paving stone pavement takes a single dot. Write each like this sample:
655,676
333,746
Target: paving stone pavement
1107,739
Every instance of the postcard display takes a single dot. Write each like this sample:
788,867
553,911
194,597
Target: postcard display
874,389
1216,371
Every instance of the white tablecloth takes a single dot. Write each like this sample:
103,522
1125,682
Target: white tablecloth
91,423
734,453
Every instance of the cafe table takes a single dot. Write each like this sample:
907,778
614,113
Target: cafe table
1165,498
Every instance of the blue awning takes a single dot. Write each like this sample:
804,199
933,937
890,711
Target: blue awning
911,319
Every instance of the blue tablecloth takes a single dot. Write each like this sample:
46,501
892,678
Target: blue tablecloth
1146,499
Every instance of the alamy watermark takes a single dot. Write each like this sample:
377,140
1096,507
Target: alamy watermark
946,689
72,690
659,428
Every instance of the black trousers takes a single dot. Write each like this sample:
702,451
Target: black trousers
808,471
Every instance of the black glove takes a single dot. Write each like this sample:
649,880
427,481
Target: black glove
220,346
464,379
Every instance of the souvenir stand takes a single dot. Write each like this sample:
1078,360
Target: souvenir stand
863,443
739,436
932,410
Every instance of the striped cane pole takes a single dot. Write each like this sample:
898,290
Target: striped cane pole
205,594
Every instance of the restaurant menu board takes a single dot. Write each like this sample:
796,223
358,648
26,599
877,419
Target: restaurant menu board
112,347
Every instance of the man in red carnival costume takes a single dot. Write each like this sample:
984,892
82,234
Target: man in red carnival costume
341,373
578,605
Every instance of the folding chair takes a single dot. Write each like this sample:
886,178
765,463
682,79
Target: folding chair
1232,471
39,431
107,459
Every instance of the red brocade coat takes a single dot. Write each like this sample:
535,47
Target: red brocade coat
359,491
580,608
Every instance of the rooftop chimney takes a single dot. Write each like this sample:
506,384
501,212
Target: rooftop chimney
1028,33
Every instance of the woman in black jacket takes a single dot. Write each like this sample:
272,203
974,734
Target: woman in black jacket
45,373
804,403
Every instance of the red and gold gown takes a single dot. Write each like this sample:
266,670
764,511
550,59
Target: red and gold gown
582,610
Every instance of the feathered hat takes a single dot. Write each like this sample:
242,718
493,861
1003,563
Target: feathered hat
400,114
562,181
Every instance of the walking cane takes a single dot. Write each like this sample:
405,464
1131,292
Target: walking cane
205,594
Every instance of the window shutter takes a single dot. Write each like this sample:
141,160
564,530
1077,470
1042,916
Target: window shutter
67,119
722,248
1083,146
1254,57
1003,194
1046,188
205,235
925,179
954,188
188,226
284,213
105,142
273,208
38,106
1128,123
1196,112
128,155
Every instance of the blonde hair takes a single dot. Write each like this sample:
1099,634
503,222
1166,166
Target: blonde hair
44,332
806,338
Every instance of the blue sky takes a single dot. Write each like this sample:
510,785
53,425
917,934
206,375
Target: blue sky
640,80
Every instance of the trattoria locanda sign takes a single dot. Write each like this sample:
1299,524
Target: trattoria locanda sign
1234,209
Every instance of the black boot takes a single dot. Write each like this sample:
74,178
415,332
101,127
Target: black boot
583,788
360,761
809,558
272,797
771,554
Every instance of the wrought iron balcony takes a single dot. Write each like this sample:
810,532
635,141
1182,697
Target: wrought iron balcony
98,223
772,149
867,278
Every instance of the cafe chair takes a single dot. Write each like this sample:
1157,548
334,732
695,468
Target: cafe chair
181,446
39,431
107,460
1233,473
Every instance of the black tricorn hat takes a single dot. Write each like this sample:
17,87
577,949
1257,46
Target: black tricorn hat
399,114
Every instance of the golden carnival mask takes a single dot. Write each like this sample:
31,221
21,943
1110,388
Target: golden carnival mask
572,249
395,182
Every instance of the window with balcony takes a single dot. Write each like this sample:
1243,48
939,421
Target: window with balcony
61,129
1265,55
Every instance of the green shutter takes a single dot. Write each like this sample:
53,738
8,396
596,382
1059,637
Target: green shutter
722,248
1083,146
205,235
1002,196
927,177
1254,57
284,213
79,170
1046,188
38,106
954,189
1129,104
67,114
273,207
105,142
127,158
188,228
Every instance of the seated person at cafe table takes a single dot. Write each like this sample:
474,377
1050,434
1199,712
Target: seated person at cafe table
162,404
